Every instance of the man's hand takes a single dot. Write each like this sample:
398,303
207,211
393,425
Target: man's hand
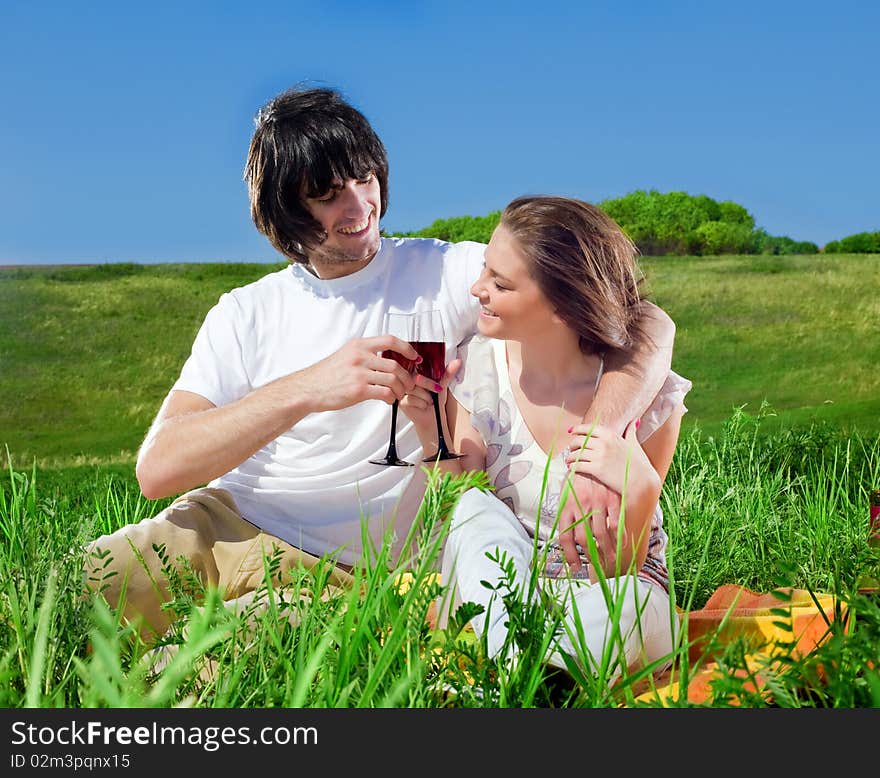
600,452
359,372
592,503
604,466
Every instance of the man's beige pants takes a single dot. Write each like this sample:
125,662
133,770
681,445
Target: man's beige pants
223,549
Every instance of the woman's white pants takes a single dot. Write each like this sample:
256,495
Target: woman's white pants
632,615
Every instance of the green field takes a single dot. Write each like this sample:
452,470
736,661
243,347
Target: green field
760,500
88,352
801,333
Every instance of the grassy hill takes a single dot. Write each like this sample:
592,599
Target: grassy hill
88,352
800,332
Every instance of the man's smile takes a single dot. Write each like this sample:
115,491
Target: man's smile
355,229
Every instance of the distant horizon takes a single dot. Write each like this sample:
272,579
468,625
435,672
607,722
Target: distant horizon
279,258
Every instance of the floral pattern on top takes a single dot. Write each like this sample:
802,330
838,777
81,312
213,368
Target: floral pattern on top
516,465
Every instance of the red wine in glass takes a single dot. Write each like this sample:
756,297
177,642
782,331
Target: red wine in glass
407,364
424,331
433,365
433,356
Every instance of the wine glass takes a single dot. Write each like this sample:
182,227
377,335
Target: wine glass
429,341
403,326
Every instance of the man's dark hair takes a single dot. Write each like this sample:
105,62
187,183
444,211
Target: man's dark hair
305,141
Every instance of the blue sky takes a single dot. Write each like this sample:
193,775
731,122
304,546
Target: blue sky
124,127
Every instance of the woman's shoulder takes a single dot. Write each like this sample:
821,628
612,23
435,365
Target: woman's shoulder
479,370
477,387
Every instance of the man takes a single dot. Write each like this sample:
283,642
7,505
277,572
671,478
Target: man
285,397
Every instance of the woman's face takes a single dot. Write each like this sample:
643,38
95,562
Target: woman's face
513,305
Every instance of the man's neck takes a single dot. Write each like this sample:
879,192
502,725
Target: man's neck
327,271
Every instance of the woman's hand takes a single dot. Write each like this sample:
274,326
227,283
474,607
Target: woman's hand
418,406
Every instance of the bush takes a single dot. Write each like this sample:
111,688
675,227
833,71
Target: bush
678,223
725,238
662,223
734,213
458,228
782,244
860,243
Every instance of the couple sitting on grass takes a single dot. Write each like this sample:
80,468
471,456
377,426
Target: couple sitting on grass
559,387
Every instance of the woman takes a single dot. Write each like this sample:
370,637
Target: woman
560,289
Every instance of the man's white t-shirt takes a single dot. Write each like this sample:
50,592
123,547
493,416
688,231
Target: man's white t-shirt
314,484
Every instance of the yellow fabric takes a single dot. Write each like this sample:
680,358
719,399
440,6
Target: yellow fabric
792,622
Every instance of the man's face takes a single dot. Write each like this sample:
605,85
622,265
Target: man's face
349,213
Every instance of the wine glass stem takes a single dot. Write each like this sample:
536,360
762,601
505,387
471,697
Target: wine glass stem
392,443
441,441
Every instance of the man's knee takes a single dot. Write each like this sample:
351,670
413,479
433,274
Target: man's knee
129,567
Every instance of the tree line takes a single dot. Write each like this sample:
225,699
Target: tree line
662,223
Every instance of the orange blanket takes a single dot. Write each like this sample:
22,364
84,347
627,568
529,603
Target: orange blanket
791,621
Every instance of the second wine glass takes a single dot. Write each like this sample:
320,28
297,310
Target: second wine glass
430,342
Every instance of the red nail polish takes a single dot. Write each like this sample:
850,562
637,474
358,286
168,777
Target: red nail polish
570,428
438,387
638,421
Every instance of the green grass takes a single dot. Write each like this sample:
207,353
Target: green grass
798,332
88,353
768,488
762,509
